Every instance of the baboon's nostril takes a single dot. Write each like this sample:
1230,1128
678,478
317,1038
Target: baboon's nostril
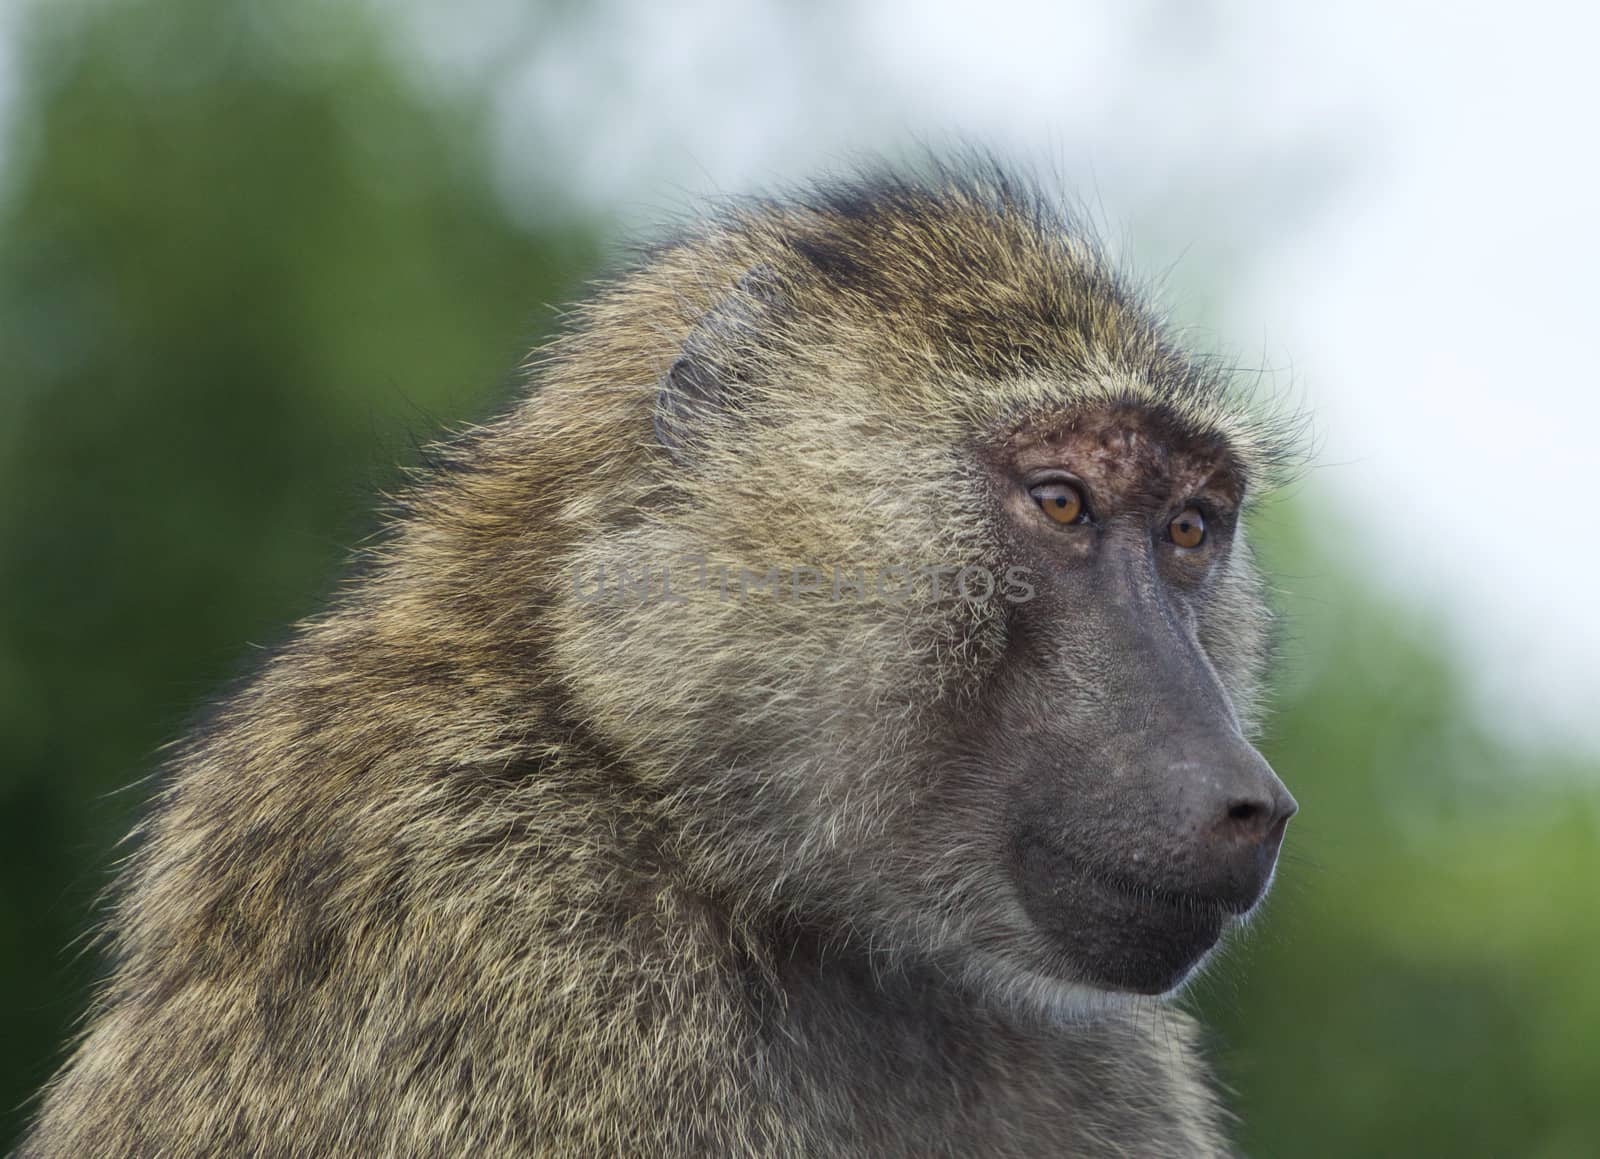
1256,818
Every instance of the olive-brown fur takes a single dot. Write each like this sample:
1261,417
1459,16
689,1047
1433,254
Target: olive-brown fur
482,863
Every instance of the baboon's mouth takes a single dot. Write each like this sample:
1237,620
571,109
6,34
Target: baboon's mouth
1159,899
1120,933
1145,939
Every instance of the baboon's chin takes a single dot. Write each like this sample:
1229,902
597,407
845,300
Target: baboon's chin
1117,940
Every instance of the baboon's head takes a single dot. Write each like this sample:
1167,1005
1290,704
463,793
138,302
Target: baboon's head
960,638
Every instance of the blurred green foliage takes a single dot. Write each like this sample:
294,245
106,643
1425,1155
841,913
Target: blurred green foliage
243,261
1424,979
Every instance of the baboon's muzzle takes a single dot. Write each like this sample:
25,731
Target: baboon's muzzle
1144,821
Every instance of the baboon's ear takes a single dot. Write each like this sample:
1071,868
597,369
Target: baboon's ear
714,363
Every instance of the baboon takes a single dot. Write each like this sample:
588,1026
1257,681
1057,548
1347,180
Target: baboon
809,722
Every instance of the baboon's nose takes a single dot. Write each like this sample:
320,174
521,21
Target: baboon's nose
1238,821
1255,828
1259,819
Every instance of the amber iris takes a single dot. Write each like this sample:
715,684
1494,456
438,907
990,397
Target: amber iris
1188,528
1061,501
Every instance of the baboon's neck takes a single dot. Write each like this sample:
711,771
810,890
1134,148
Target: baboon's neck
874,1039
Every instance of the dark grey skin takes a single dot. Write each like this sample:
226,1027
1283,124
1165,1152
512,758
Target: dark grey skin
1142,824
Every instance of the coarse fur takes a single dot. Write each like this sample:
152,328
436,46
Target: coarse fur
500,857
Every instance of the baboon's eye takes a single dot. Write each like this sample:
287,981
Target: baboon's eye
1188,528
1061,501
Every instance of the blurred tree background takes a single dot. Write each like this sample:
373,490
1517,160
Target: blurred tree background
244,263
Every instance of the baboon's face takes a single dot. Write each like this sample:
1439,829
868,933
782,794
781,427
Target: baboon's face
1055,788
1134,823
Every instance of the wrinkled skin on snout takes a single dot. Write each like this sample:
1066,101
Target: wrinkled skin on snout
1140,823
